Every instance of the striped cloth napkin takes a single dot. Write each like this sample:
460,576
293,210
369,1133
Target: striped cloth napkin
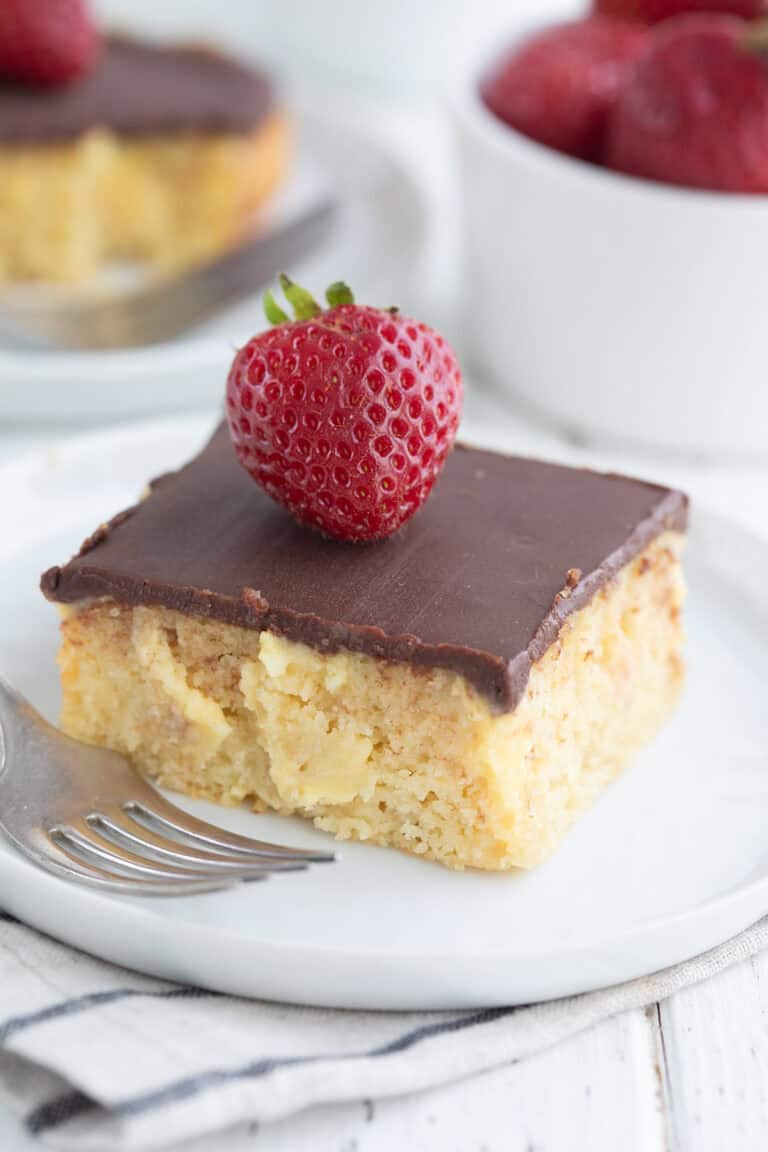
96,1057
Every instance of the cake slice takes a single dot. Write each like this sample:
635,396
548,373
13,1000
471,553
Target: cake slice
160,155
461,690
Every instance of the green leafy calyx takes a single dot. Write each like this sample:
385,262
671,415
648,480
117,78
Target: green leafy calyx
302,302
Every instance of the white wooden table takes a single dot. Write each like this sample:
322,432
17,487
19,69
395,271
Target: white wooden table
687,1075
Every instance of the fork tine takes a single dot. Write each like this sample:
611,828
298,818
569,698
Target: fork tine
118,828
58,860
142,847
168,818
84,841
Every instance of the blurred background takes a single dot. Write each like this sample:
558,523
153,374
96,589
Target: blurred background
403,51
593,312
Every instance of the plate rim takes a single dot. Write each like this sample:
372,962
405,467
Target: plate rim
736,904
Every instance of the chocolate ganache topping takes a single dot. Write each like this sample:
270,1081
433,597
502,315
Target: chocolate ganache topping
140,89
479,582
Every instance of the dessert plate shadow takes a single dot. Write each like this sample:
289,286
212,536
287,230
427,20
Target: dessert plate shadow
672,861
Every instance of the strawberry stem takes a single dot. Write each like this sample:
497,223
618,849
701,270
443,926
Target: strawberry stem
273,311
303,302
338,294
756,38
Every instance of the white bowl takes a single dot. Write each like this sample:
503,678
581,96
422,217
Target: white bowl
616,307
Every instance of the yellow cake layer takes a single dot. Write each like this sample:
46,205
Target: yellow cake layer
379,751
168,201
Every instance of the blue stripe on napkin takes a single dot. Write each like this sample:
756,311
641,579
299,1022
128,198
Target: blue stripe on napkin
60,1110
16,1024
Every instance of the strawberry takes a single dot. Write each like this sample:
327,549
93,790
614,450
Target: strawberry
653,11
46,42
695,111
560,86
344,415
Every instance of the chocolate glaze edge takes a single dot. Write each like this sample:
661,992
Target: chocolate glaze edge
670,515
502,683
142,88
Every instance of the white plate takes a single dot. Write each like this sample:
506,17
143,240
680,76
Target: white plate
374,244
672,861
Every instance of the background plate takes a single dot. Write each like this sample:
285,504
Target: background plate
672,861
374,243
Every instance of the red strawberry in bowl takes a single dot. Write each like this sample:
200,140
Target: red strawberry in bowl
344,415
653,11
46,42
559,87
695,111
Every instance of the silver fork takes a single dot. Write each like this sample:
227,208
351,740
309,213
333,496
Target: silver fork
85,814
